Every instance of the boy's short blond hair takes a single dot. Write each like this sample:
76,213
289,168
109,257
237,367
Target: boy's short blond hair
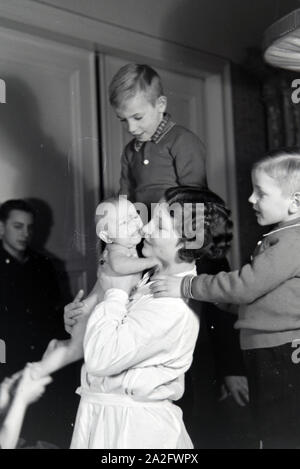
133,78
283,165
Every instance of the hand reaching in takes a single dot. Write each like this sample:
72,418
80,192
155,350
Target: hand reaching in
73,311
30,386
237,387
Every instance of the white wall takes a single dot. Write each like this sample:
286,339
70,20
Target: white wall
222,27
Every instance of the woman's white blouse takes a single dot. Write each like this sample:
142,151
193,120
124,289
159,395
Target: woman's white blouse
139,346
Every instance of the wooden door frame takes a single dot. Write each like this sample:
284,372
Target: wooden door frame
88,33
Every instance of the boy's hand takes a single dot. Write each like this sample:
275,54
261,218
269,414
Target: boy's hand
73,311
166,286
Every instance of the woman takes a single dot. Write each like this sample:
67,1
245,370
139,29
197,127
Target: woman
138,348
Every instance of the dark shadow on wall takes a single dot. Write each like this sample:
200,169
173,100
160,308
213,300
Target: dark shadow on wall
250,136
265,119
42,230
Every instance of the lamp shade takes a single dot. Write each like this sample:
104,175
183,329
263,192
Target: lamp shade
282,42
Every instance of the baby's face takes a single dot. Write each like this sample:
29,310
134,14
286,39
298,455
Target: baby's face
123,224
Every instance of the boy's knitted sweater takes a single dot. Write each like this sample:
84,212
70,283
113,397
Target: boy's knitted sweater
175,157
267,289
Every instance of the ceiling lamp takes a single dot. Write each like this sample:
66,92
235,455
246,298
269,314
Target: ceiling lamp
282,42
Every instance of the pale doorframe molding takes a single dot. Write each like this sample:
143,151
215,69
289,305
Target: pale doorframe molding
92,34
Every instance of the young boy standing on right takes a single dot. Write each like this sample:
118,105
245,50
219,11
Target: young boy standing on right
268,292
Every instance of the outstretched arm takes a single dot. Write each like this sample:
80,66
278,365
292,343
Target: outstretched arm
61,353
123,265
28,390
268,270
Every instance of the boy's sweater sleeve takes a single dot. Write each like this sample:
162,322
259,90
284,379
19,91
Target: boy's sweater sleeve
189,156
269,269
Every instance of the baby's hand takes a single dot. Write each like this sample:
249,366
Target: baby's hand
154,262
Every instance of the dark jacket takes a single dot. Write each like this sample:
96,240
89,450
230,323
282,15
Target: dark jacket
29,308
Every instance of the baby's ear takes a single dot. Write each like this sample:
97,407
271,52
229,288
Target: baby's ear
104,236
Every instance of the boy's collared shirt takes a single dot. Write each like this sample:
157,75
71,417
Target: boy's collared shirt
284,225
266,240
163,128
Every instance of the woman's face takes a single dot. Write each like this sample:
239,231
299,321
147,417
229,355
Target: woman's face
161,239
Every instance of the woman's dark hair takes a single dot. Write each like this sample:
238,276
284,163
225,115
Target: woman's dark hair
215,219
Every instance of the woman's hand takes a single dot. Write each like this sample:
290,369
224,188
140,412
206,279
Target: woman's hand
123,282
73,311
168,286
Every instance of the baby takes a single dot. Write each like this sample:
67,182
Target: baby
119,225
